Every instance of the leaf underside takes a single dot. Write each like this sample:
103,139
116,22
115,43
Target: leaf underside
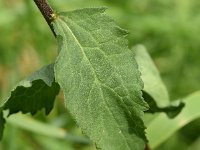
32,94
100,79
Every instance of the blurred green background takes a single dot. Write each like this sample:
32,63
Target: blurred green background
169,29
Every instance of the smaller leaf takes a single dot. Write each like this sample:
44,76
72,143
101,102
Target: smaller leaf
34,93
155,92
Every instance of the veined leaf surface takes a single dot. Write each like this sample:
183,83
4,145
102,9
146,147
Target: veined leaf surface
100,79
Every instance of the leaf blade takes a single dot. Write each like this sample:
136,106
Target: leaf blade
153,83
98,93
155,92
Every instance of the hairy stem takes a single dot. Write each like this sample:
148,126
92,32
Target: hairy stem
46,11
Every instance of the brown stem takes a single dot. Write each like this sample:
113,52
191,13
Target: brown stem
46,11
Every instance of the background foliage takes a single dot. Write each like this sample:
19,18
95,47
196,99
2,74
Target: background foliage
169,30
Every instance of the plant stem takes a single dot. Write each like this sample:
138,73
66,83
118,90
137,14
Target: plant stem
46,11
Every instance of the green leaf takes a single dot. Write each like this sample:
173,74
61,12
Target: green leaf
155,92
167,127
153,84
34,93
100,79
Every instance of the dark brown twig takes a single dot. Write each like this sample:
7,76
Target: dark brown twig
46,11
